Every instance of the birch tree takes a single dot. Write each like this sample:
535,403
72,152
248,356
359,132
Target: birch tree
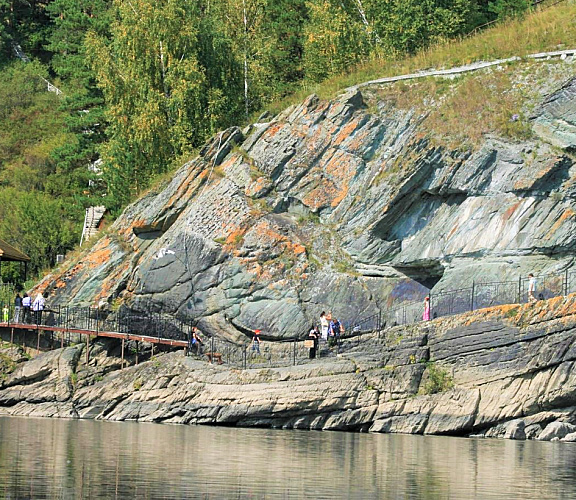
242,22
153,87
334,40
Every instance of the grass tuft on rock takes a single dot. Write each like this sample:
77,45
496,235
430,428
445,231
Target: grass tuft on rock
435,380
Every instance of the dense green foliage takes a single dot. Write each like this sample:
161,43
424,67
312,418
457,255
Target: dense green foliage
38,212
145,82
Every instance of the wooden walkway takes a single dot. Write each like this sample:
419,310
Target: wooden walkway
89,334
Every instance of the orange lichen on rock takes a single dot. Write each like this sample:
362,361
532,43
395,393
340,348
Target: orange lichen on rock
111,282
99,256
186,188
235,236
257,186
346,131
322,195
230,161
273,129
298,249
357,141
510,211
266,234
139,223
568,213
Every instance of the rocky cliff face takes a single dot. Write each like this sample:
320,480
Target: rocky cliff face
501,372
343,206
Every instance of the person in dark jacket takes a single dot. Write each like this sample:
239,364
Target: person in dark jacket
313,334
17,308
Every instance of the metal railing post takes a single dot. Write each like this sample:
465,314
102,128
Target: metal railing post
519,289
472,297
294,352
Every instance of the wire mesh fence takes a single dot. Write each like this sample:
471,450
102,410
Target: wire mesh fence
477,296
158,326
92,319
289,351
248,355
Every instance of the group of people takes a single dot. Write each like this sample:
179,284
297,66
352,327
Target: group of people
28,311
329,331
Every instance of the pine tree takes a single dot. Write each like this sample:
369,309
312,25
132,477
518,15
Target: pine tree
26,23
282,47
83,99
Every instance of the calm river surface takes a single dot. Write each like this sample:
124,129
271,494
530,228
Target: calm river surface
51,458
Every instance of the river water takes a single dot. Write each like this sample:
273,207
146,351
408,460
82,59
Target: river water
52,458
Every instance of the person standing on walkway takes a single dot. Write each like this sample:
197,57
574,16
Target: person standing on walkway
17,308
334,331
426,314
324,325
195,342
26,304
38,307
531,288
256,342
313,335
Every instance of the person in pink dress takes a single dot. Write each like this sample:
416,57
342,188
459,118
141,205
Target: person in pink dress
426,314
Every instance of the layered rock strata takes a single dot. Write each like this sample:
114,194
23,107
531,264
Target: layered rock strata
501,372
337,205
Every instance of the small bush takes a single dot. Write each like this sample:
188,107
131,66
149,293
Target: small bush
438,380
310,217
512,312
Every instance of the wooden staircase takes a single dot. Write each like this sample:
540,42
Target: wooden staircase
92,220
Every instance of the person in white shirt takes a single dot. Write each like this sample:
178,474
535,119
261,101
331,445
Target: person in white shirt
38,307
324,324
531,288
26,304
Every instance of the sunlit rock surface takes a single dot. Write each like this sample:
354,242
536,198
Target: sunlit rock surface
336,206
509,373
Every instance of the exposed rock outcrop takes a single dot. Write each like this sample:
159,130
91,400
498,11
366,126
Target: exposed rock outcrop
504,372
335,205
349,205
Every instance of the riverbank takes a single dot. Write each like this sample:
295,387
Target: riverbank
500,372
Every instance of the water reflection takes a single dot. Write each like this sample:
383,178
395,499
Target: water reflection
45,458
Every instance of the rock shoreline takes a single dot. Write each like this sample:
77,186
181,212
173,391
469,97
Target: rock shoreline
509,373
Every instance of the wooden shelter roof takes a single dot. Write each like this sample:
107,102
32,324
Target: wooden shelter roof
8,252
